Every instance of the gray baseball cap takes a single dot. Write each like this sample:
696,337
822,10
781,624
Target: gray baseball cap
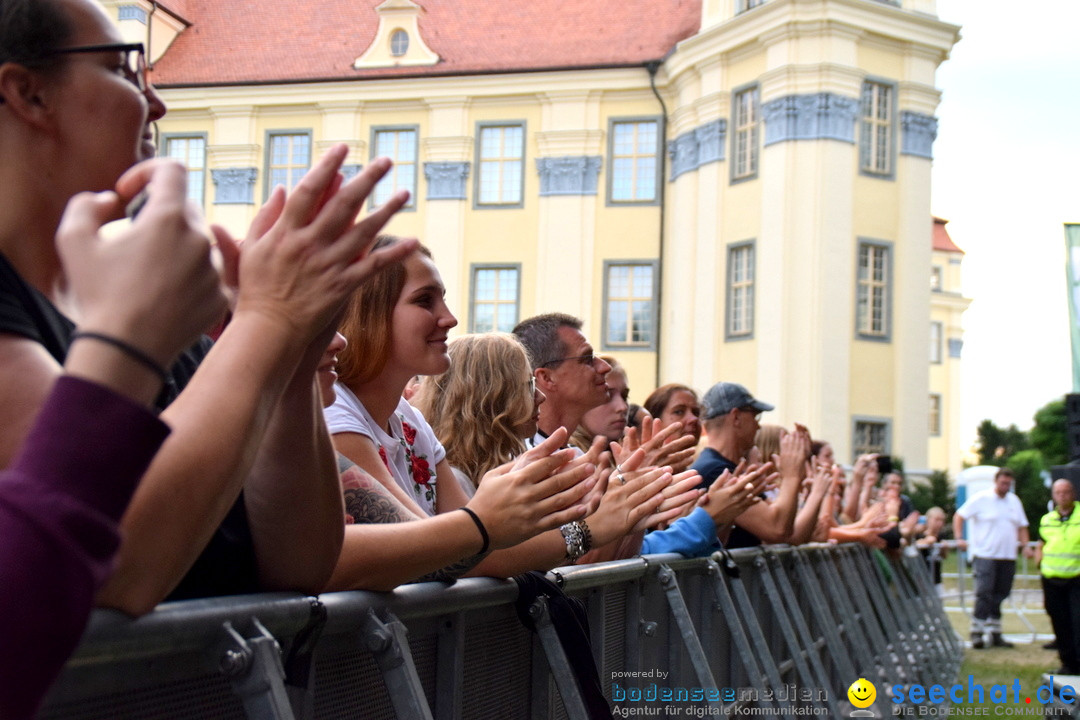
723,397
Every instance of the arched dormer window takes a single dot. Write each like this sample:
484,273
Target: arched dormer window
399,43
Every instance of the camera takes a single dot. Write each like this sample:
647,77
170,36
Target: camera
884,465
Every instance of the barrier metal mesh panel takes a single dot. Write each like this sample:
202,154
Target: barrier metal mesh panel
200,696
348,683
497,666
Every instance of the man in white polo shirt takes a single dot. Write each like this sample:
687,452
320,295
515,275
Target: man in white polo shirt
998,523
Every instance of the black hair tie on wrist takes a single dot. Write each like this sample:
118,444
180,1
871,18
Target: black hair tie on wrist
130,350
481,528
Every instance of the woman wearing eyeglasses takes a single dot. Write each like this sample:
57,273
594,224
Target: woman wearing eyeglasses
217,512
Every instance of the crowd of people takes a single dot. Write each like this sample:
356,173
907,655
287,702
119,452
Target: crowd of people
333,436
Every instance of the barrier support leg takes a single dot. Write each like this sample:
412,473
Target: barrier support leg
744,609
386,639
557,661
253,666
691,641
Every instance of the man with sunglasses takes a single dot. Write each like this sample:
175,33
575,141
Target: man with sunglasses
571,377
731,418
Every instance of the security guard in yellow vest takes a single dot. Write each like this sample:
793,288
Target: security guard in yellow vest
1059,561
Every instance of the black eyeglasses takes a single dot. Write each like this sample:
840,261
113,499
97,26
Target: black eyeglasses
583,359
134,59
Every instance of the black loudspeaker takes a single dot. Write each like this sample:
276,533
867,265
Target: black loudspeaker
1072,425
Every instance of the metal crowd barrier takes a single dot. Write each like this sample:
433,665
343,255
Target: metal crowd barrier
1025,602
779,631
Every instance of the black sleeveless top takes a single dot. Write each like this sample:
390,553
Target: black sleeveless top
227,564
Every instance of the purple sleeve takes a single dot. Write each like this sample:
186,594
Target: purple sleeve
60,503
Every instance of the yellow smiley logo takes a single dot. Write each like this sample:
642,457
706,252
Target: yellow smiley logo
862,693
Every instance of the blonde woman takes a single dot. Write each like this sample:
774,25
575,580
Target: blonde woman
483,406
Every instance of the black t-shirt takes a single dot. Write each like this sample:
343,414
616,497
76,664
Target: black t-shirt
711,465
227,564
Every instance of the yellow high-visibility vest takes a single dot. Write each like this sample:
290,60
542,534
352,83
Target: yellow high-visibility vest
1061,544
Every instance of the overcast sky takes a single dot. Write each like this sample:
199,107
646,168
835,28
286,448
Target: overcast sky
1006,175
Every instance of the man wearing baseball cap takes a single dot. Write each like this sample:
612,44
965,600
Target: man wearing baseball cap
731,415
731,418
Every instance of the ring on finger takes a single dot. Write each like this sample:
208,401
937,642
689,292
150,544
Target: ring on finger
619,478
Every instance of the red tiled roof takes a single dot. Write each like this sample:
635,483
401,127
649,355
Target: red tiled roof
942,241
175,7
236,42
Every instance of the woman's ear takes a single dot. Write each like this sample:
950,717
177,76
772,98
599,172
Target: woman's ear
22,93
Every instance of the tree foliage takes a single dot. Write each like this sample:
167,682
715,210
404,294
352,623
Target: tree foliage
1049,435
1028,454
934,491
1030,488
997,445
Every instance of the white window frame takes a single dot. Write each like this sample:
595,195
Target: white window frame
937,342
937,278
746,131
627,342
399,43
877,125
870,435
739,307
496,301
505,166
196,166
935,414
873,293
396,178
638,158
294,171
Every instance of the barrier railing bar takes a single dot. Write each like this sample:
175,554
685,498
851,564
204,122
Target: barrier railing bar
947,637
299,663
912,618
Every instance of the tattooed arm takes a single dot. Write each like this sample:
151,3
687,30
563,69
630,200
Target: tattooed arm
387,545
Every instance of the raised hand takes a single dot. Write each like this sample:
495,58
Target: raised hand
539,491
306,253
154,285
662,446
731,494
680,497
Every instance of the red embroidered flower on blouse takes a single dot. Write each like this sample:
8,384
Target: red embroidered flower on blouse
421,471
409,431
382,454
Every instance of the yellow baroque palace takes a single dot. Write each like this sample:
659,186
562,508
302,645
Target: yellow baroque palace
721,189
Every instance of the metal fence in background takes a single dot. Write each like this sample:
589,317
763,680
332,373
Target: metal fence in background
788,629
1024,602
